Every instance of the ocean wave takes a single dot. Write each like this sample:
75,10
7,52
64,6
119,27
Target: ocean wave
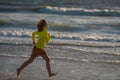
86,37
24,19
24,33
79,11
62,10
59,42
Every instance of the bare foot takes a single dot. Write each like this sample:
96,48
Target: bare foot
52,74
18,72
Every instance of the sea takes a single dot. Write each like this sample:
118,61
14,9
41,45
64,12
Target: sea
81,30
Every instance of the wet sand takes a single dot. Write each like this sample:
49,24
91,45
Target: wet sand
67,69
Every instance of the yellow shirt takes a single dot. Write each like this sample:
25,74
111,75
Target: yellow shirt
43,38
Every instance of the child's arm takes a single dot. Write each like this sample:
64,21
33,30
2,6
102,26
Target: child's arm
47,36
33,37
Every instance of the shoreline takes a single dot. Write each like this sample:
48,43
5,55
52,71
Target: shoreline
67,70
69,64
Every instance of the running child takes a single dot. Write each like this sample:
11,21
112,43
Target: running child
39,47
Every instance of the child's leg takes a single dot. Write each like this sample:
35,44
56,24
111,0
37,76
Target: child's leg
45,57
30,60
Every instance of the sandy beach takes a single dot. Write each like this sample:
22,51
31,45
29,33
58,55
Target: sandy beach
66,68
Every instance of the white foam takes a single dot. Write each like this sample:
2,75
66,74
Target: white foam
80,9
